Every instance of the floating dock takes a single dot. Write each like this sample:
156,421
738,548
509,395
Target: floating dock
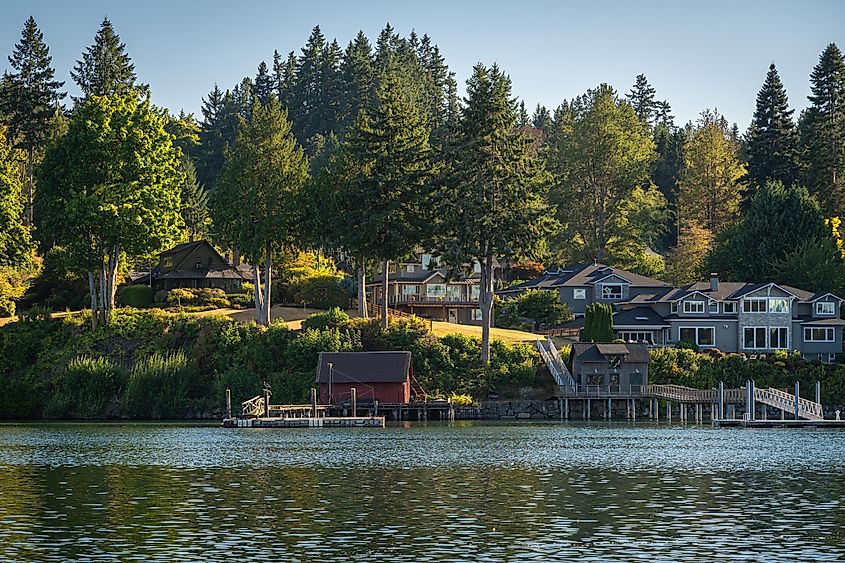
799,423
306,422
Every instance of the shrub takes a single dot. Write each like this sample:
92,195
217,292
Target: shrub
321,292
461,400
159,386
138,296
598,323
241,300
200,297
533,309
334,317
87,389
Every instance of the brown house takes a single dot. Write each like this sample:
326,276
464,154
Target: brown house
195,265
376,376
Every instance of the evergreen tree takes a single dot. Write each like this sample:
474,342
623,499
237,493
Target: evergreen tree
523,119
29,99
668,168
641,98
495,192
772,139
541,119
307,97
663,114
194,208
358,78
823,132
598,323
15,236
710,187
263,83
212,137
254,205
105,67
284,78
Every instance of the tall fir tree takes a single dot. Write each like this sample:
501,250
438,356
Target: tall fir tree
541,119
29,100
523,119
641,98
263,83
823,132
669,144
358,78
105,67
772,140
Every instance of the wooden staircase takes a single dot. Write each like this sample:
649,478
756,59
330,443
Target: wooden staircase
555,363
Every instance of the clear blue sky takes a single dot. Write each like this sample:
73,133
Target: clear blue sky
711,54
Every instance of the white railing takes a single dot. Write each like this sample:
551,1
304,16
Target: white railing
413,298
809,410
253,407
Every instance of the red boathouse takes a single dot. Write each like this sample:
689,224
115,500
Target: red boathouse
376,376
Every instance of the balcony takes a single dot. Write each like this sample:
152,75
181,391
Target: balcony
430,300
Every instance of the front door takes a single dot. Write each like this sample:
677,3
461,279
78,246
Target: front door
453,315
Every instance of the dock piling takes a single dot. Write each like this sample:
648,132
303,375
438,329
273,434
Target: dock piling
354,402
228,403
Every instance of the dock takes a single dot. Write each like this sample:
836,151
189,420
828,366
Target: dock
306,422
789,423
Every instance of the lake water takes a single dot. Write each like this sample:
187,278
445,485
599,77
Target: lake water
469,492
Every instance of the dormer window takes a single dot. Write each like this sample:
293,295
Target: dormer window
693,306
714,306
167,262
674,307
410,268
825,308
611,291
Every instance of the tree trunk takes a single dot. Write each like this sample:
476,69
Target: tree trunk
485,302
268,284
259,298
92,289
29,158
384,287
362,293
112,277
103,314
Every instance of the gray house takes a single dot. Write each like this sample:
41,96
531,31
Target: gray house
610,364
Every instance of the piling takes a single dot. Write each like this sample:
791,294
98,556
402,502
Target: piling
228,403
354,402
818,392
313,402
797,389
266,403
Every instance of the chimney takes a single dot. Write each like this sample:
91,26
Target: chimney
714,281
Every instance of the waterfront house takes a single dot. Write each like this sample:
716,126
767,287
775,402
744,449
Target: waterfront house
735,317
194,265
376,376
418,286
612,364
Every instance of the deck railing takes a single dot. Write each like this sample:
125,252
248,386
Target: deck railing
807,409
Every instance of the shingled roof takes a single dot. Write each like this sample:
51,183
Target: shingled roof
364,367
598,352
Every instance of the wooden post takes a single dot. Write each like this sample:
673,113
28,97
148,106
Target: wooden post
609,410
267,403
668,411
797,391
588,412
818,392
566,409
656,410
313,402
228,403
721,413
354,403
375,408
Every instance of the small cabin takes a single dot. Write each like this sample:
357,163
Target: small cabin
610,364
194,265
376,376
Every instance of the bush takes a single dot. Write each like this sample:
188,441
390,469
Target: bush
160,386
88,388
241,300
533,309
320,292
334,317
200,297
138,296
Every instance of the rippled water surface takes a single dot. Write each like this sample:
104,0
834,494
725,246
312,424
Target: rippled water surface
467,492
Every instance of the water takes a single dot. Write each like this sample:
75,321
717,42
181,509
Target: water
470,492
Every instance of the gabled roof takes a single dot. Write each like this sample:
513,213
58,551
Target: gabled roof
638,317
599,352
364,367
583,275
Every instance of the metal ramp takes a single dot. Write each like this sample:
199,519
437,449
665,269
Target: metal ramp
555,363
804,408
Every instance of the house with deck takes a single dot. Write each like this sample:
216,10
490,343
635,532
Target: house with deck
613,364
419,286
195,264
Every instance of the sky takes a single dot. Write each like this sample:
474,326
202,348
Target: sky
697,55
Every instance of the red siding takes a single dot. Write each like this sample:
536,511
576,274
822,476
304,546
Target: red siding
399,392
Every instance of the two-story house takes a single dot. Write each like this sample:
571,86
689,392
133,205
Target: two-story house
737,317
420,287
194,265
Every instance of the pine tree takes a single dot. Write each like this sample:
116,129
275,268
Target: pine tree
823,132
284,78
30,97
772,139
307,95
669,144
105,67
495,192
641,98
523,119
663,114
358,78
263,83
541,119
212,140
194,209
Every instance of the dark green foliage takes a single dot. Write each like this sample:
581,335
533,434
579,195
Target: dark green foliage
334,317
779,220
162,385
598,323
201,297
772,141
815,264
535,308
138,296
195,213
822,129
641,98
669,144
105,68
320,292
59,285
87,389
541,119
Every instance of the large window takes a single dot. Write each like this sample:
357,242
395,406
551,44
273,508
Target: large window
778,337
435,290
700,335
628,336
693,306
825,308
611,291
778,305
474,292
754,337
729,307
453,292
819,335
754,305
410,290
579,293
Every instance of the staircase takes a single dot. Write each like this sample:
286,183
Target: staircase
550,355
808,410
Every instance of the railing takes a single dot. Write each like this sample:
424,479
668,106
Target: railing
253,407
601,391
374,310
784,401
563,332
684,394
425,299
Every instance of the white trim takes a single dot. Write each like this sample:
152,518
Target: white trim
828,294
767,338
619,285
688,310
583,291
825,313
824,328
614,275
732,304
749,300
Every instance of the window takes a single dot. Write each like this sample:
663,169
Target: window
637,337
453,292
426,261
778,305
825,308
410,268
754,305
819,335
579,293
693,306
778,337
474,292
476,314
435,290
700,335
729,307
754,337
391,268
714,306
167,262
476,267
611,291
614,362
410,290
674,307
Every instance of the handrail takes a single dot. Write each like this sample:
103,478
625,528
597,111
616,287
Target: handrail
253,407
786,402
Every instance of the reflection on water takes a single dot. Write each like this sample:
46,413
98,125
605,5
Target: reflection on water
471,492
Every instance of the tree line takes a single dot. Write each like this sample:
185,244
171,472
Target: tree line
366,153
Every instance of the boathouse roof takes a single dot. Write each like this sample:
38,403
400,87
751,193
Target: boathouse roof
364,367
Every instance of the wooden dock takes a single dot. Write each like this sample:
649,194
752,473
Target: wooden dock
775,423
306,422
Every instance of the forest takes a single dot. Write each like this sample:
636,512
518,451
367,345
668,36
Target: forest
362,154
